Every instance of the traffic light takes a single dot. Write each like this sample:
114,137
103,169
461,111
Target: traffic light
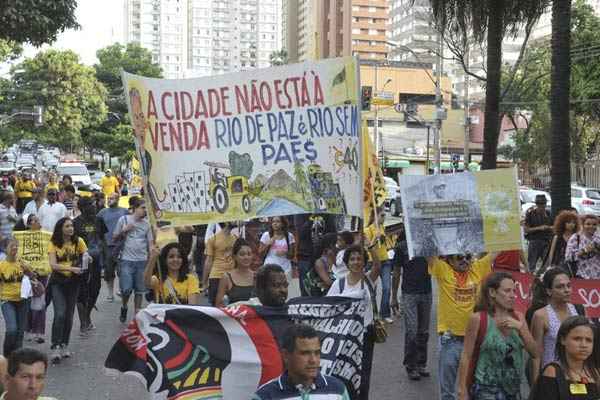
455,161
366,95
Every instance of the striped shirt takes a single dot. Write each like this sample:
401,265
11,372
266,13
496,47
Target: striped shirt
324,388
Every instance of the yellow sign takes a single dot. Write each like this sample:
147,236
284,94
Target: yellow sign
33,249
383,99
374,191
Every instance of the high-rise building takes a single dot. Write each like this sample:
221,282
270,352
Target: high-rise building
161,27
300,29
412,27
341,28
205,37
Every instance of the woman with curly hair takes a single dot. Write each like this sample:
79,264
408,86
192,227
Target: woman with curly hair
565,226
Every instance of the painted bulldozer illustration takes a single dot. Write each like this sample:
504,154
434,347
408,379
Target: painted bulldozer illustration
225,189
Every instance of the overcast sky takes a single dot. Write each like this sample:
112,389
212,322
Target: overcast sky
101,25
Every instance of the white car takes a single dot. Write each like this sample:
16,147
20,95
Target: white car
391,188
78,172
585,200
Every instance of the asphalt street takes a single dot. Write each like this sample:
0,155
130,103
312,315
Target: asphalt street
83,377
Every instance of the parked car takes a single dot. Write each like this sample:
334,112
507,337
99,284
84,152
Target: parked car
585,200
527,197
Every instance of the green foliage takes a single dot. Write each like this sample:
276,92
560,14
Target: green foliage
9,50
116,141
36,21
73,99
531,92
278,57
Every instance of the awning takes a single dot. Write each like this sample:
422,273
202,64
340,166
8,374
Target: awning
398,164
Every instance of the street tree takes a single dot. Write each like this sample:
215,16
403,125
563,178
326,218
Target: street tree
489,22
111,60
72,97
560,91
36,21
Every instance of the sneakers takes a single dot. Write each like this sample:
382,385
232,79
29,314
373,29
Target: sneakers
423,372
64,352
123,316
55,355
389,320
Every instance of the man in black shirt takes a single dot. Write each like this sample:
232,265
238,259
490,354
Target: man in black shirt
538,231
416,306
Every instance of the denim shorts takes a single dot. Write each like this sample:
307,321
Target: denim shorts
131,277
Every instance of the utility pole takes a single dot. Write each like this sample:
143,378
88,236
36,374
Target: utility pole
376,128
439,108
467,115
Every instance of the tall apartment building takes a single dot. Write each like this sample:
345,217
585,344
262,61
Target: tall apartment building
341,28
300,29
412,26
190,38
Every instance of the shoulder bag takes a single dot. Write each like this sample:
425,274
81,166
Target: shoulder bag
379,327
481,331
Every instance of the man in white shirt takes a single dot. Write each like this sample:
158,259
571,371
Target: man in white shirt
37,201
51,212
8,214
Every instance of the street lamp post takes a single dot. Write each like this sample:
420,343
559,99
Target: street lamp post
440,113
37,115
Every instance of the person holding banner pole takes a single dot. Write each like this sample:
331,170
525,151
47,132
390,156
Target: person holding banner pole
458,278
173,283
359,284
583,249
491,363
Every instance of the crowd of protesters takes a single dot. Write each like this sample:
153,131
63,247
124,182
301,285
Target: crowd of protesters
486,349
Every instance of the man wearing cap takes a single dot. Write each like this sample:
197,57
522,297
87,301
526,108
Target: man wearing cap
109,183
52,211
37,201
538,231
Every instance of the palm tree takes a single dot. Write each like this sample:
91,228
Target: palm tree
278,57
491,21
560,145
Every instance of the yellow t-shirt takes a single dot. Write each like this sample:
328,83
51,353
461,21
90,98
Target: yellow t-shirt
220,247
457,293
11,275
24,189
67,254
183,290
109,185
52,186
381,249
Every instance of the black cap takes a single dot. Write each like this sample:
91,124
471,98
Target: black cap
540,199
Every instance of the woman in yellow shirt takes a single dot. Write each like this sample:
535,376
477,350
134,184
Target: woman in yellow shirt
174,283
52,183
37,310
24,191
66,251
14,307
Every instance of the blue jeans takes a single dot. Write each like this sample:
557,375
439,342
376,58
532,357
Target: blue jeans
132,277
451,348
15,319
484,392
386,289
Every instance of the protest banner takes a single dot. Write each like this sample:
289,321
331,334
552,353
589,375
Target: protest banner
584,291
464,213
265,142
189,352
374,190
33,249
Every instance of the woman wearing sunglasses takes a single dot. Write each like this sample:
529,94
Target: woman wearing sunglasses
492,361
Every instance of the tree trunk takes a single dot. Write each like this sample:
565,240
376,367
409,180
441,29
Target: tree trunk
491,128
560,145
